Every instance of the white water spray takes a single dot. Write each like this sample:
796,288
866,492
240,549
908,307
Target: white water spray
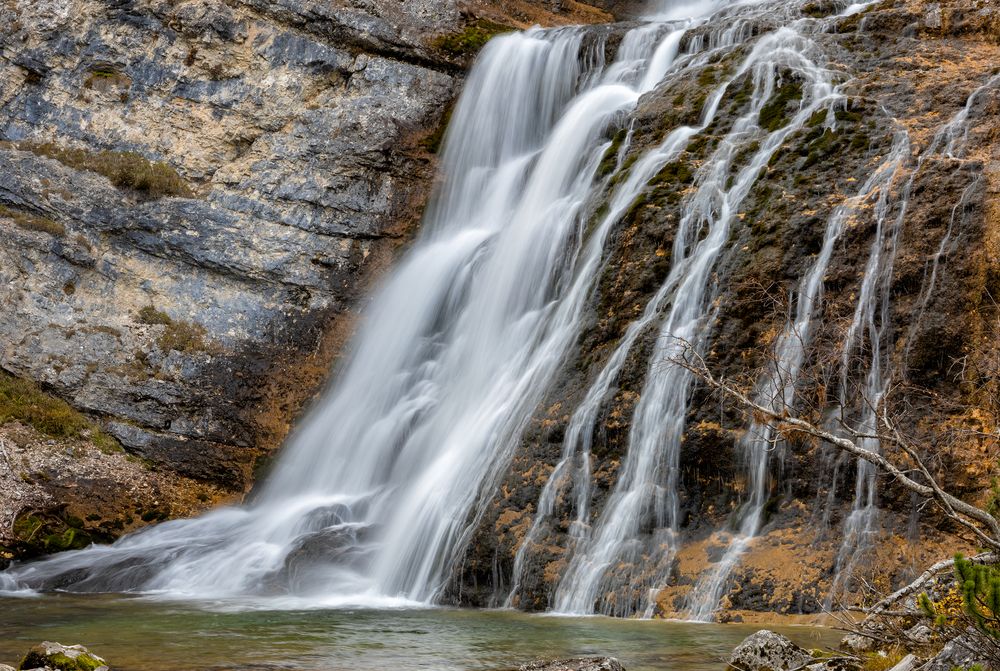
376,495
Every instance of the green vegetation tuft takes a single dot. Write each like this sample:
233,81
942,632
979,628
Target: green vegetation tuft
126,170
471,39
707,76
150,315
45,536
880,661
819,8
105,78
676,172
435,140
23,401
610,159
973,606
31,222
178,336
773,115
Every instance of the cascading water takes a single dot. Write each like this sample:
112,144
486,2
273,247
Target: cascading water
871,323
379,492
373,497
776,388
645,493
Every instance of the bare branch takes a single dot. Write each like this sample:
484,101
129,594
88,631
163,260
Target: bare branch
955,508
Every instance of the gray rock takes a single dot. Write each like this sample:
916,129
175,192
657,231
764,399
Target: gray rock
962,652
4,667
857,643
43,654
908,663
768,651
297,126
920,634
580,664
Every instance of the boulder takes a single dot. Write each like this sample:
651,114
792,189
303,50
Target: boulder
49,655
961,652
908,663
920,634
578,664
768,651
857,643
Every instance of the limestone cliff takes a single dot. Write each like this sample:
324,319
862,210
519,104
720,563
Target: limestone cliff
194,199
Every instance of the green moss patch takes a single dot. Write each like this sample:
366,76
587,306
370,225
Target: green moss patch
74,658
179,336
610,159
31,222
819,8
126,170
105,78
471,39
774,114
38,535
23,401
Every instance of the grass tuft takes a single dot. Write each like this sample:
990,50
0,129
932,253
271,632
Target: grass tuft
23,401
179,336
126,170
31,222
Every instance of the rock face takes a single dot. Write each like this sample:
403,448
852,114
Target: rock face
303,168
768,651
194,199
963,652
48,655
901,70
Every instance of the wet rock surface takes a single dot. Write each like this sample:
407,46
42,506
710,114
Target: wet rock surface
49,655
898,73
581,664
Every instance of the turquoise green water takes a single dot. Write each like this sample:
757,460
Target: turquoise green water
140,634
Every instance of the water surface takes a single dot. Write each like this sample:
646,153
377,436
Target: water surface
143,634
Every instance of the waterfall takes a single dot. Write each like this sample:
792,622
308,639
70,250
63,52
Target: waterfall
375,496
776,387
645,494
871,319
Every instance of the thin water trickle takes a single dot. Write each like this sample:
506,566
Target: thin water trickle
762,445
645,494
871,326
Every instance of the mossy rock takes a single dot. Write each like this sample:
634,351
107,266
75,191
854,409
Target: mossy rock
40,534
776,113
62,657
471,39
